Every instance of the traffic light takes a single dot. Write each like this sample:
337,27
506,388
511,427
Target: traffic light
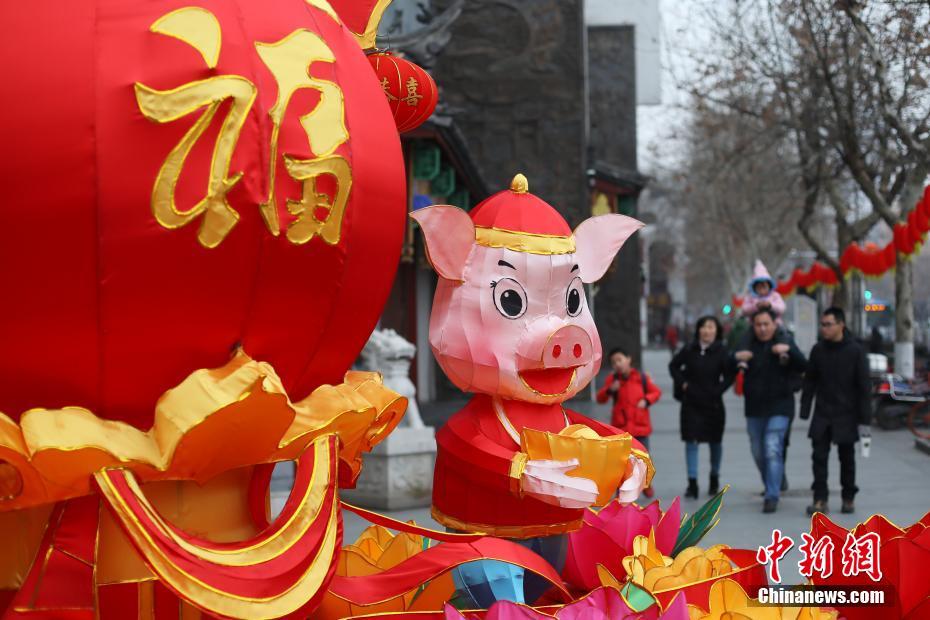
727,308
867,294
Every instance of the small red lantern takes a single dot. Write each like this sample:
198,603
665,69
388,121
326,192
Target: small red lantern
913,229
924,207
888,258
902,239
410,91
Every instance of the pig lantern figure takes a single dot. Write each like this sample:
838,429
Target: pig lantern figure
510,324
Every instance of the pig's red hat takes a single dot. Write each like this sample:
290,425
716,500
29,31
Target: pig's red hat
518,220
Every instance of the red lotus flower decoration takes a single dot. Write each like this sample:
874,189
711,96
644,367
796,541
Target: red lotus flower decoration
606,537
903,558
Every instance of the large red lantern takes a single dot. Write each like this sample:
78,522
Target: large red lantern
410,91
182,181
209,206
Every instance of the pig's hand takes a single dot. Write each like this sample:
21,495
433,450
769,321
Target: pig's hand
631,488
548,482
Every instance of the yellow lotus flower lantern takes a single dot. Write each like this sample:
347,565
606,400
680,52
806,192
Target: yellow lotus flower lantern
728,601
649,569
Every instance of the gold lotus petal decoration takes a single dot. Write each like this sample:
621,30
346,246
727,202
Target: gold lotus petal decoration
52,454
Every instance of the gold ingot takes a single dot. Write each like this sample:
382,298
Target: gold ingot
601,459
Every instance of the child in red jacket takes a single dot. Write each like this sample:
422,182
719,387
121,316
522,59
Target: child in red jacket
633,392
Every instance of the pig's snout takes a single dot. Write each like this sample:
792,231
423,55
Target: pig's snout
569,346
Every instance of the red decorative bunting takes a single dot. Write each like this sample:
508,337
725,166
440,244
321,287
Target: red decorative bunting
872,261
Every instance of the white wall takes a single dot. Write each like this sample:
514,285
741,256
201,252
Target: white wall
646,17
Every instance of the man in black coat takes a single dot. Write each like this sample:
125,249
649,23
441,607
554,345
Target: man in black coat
838,375
770,364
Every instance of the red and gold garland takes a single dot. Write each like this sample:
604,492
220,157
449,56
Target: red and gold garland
870,260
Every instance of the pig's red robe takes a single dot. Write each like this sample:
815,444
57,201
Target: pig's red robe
476,486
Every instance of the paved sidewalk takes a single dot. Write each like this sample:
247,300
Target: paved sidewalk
894,481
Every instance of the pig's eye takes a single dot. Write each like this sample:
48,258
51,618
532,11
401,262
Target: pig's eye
509,298
573,297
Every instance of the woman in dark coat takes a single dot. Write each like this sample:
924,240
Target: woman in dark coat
702,371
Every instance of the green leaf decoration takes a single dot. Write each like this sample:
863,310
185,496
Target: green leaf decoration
636,597
693,529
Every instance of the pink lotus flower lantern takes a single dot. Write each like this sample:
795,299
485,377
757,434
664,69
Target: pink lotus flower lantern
606,537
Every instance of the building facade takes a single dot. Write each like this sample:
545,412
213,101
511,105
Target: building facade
525,87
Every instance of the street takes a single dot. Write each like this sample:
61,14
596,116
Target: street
892,481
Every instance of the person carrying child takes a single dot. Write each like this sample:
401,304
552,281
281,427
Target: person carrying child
763,295
633,392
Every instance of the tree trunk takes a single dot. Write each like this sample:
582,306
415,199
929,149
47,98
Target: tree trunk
841,296
904,317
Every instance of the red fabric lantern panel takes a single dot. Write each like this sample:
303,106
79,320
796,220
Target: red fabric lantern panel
182,181
872,261
921,220
410,91
902,239
915,236
785,287
824,275
888,258
924,205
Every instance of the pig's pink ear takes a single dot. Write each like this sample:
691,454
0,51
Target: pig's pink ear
450,236
597,241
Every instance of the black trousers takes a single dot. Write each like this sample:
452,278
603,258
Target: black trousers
821,458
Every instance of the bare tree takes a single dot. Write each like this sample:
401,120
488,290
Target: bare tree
735,196
844,84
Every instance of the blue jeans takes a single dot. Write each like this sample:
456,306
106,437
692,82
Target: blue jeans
767,441
691,457
643,440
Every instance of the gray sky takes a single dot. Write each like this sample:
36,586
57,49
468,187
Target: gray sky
684,36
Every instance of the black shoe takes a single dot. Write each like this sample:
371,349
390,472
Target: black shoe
714,486
692,490
784,483
848,507
819,505
770,505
